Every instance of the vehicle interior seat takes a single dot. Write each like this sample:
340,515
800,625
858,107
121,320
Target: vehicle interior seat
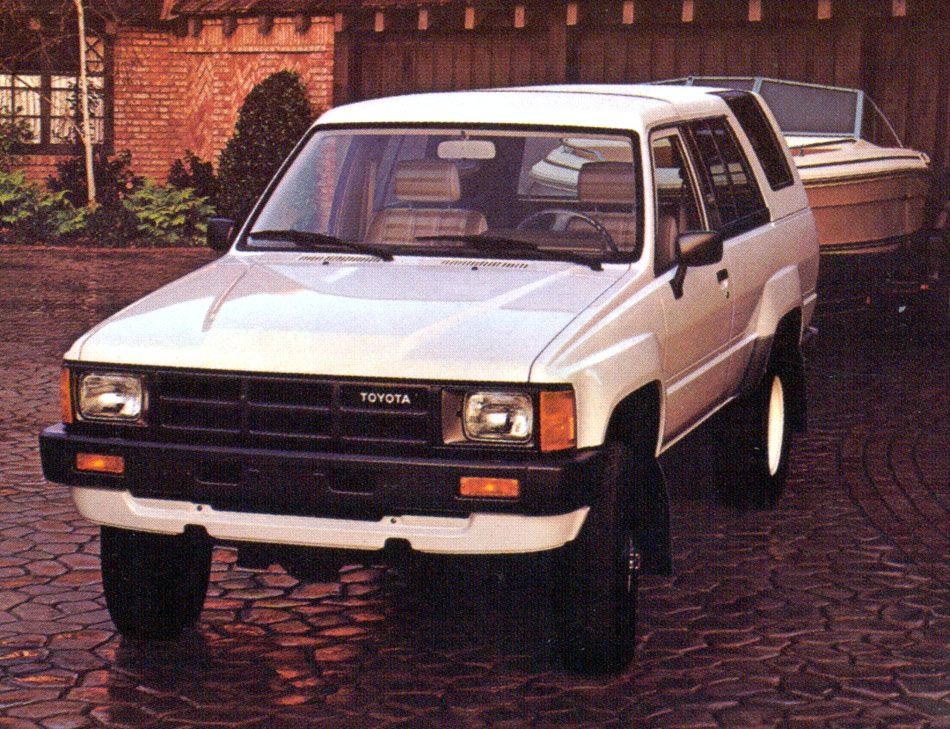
610,185
427,191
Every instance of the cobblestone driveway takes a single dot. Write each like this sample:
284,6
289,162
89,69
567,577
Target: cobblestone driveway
833,610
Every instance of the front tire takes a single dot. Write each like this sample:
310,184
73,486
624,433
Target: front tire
154,584
596,595
755,441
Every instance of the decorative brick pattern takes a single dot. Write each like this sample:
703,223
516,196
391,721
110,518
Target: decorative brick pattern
174,94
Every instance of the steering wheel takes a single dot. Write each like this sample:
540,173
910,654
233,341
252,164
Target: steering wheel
563,217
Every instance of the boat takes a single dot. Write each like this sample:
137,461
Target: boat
868,192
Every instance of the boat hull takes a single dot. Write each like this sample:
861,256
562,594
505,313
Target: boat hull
865,198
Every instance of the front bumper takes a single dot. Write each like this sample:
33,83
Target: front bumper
352,501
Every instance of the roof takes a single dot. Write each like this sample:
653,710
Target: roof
608,107
243,7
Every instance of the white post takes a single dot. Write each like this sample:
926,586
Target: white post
84,103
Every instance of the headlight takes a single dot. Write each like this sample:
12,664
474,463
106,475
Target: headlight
116,398
498,416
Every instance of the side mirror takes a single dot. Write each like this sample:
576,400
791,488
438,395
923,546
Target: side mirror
695,248
220,232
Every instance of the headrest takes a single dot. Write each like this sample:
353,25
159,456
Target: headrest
607,183
434,181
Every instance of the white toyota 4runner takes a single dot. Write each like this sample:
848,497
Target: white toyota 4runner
457,324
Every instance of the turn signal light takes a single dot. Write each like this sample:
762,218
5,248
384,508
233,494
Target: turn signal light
558,421
493,488
97,463
65,396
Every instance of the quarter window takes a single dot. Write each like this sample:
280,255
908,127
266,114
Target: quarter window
733,200
761,136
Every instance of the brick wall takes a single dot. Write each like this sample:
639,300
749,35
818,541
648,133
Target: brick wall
38,167
173,94
176,93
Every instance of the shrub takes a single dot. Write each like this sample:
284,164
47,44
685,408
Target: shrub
271,121
110,223
13,132
168,214
192,172
30,214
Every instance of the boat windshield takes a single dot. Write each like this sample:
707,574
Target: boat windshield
549,194
818,110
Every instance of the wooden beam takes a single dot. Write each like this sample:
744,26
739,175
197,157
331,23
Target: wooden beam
571,15
519,19
265,24
688,12
629,13
755,11
229,25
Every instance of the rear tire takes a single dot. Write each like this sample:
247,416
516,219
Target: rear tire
595,593
154,584
755,439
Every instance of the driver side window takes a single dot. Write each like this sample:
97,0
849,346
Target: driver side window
676,207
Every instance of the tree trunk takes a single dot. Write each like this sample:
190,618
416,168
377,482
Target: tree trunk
84,103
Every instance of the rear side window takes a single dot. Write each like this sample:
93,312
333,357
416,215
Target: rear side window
761,136
732,196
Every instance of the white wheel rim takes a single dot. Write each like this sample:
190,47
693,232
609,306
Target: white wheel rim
776,427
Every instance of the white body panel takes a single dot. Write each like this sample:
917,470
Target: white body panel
478,534
606,333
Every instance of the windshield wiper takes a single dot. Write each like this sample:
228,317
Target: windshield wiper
496,243
316,241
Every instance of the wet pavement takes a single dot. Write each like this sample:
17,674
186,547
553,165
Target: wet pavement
832,610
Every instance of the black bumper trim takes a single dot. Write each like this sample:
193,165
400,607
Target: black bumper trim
336,485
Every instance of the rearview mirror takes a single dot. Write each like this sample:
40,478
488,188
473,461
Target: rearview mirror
695,248
219,233
460,149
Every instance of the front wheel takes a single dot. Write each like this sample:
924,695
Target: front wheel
755,440
596,595
154,584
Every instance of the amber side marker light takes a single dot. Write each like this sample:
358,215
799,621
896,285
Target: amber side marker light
65,396
493,488
558,421
97,463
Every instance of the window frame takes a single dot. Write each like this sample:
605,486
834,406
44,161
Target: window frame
741,223
762,138
242,245
46,70
675,131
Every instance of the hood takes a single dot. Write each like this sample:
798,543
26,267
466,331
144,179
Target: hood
323,314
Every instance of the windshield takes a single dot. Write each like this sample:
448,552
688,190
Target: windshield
529,194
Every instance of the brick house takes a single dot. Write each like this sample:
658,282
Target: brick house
171,81
173,73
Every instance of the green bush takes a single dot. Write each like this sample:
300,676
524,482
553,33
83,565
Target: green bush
110,223
30,214
167,214
271,121
192,172
13,133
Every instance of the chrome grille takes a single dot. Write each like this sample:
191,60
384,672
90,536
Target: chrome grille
279,412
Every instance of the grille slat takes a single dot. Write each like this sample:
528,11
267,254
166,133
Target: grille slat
293,413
